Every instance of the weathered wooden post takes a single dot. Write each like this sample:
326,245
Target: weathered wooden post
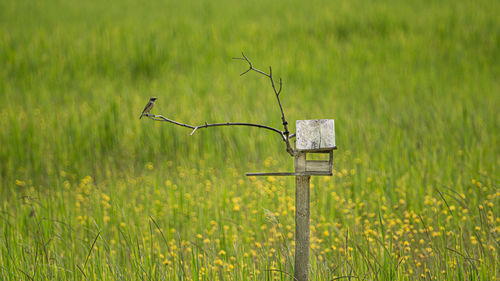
302,233
313,136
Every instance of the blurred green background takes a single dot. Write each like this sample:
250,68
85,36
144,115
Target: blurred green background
412,85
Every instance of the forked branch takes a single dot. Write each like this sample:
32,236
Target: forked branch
277,92
285,134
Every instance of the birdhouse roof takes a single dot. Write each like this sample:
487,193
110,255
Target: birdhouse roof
315,135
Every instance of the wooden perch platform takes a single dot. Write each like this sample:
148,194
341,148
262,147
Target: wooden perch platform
284,174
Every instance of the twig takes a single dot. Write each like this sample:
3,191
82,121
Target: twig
161,118
277,92
239,124
206,125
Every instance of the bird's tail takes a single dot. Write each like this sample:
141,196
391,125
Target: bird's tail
141,116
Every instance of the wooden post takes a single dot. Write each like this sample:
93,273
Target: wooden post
313,136
301,272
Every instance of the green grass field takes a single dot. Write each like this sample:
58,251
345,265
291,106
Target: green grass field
90,192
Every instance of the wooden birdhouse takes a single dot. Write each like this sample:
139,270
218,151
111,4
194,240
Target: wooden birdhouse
315,136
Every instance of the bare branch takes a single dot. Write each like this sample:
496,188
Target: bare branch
240,124
161,118
285,135
250,66
245,72
207,125
277,92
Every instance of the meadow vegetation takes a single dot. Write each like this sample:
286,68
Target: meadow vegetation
90,192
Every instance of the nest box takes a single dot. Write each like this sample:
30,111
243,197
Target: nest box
316,136
312,136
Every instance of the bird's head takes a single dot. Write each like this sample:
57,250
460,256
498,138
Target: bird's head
153,98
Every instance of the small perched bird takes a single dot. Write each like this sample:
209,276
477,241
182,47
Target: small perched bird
148,107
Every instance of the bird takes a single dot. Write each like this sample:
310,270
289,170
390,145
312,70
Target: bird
148,107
